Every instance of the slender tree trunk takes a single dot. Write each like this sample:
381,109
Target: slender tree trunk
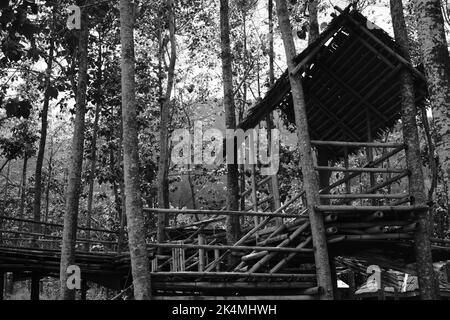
232,222
136,232
310,178
43,138
75,164
436,61
23,185
313,21
49,181
427,280
163,169
431,154
91,177
271,51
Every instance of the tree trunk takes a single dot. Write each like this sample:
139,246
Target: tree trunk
271,51
313,21
310,179
163,169
23,185
91,177
136,232
425,271
436,61
49,181
75,164
43,138
232,222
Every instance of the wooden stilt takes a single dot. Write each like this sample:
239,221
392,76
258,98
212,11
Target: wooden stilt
351,285
84,289
35,278
2,285
201,253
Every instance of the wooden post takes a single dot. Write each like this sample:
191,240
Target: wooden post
254,194
217,257
201,253
2,284
155,264
324,176
84,289
274,186
369,150
346,174
351,285
35,278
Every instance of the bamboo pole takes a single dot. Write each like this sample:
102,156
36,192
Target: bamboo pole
201,253
216,257
285,260
273,235
253,256
239,275
370,170
357,144
369,165
182,285
342,209
216,212
330,218
254,194
224,247
236,298
274,239
387,48
55,225
263,181
255,229
268,257
385,236
363,196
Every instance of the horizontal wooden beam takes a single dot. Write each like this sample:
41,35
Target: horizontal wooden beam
237,298
369,165
358,209
227,247
384,236
357,144
203,285
221,212
217,275
364,196
372,170
55,225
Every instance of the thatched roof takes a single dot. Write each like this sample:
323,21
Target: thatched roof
351,70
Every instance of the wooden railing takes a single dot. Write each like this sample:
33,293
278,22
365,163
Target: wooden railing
18,232
381,175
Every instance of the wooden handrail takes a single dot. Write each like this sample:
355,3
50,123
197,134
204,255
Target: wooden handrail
357,144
